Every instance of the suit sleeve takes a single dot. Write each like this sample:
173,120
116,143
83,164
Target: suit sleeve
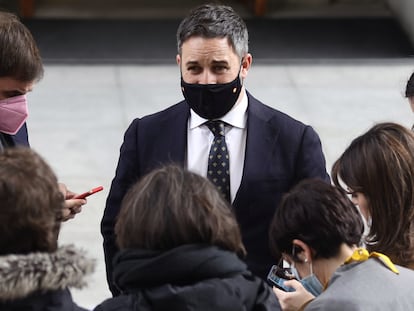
311,160
126,174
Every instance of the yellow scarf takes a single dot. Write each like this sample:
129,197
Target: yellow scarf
361,254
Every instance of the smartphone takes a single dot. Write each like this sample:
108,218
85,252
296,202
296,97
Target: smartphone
277,277
88,193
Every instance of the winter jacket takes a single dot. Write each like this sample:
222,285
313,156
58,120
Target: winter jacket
40,281
190,277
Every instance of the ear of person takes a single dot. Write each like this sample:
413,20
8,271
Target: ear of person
301,251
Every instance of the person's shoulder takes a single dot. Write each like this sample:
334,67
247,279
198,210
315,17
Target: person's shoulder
377,265
178,108
334,302
272,114
346,283
406,274
119,303
176,111
18,139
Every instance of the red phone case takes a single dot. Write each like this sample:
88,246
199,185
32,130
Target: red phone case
88,193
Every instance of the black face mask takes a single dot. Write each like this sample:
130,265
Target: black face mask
211,101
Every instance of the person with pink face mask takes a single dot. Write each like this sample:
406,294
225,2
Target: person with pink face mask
20,68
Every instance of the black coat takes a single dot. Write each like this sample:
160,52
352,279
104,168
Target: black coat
57,300
190,277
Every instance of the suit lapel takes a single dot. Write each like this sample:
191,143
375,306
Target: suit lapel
175,135
260,143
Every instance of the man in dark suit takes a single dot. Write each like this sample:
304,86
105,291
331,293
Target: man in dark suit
265,152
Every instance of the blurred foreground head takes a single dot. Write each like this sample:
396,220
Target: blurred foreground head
171,207
30,203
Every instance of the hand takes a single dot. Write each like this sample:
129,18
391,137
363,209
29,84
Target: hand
293,301
71,206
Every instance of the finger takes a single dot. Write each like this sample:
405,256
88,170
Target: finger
278,292
295,284
62,188
71,203
76,210
70,194
66,214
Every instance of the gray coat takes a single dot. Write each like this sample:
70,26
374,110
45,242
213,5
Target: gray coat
367,285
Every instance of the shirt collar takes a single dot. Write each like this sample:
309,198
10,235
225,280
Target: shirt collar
236,117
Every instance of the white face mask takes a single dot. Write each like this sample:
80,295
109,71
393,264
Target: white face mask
13,114
367,224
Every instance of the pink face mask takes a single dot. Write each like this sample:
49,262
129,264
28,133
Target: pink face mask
13,114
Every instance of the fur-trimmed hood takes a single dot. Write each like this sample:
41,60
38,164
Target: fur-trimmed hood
22,275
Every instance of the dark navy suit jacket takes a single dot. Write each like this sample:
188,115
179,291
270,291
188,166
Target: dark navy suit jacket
18,139
280,151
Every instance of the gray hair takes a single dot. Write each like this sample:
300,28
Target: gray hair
215,21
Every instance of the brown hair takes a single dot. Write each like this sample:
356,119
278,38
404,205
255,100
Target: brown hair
30,203
380,164
19,56
170,207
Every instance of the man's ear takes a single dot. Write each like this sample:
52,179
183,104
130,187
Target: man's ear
245,65
178,59
301,251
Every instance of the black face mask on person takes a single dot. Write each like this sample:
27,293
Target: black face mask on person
212,101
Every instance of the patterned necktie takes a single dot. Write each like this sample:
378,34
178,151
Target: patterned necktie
218,170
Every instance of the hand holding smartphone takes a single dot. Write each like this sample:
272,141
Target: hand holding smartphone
88,193
277,277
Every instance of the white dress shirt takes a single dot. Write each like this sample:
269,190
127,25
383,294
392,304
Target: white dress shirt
200,138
